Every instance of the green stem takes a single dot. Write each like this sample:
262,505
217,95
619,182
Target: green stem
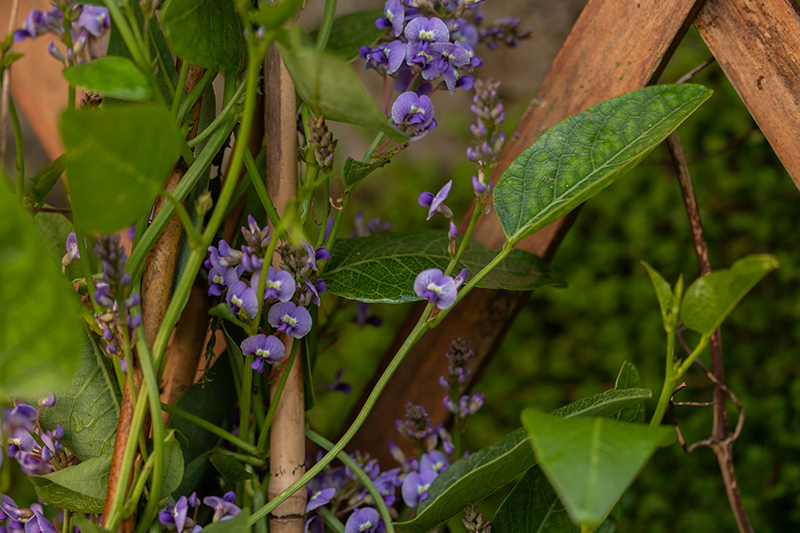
324,443
326,25
476,213
138,488
211,428
248,459
694,355
87,268
246,396
151,386
273,405
180,88
195,94
102,366
674,374
261,190
421,327
12,112
330,519
226,111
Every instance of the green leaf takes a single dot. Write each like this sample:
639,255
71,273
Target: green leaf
225,312
667,300
117,161
628,378
231,469
352,31
88,408
590,462
54,228
382,268
173,464
114,76
34,295
355,171
472,479
88,527
43,182
80,488
166,75
273,16
329,86
587,152
207,33
710,299
533,505
236,525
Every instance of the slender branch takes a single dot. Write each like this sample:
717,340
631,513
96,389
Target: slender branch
695,70
59,210
211,428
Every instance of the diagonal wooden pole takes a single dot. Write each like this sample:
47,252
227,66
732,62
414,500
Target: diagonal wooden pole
613,48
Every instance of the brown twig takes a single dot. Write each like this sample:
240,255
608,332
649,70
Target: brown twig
59,210
695,70
721,441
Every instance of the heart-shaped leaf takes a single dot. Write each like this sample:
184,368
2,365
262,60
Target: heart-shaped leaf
590,462
382,268
710,299
114,76
117,161
586,153
533,505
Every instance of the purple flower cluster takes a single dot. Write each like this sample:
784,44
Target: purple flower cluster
37,451
489,138
288,290
110,290
17,518
88,22
455,383
176,517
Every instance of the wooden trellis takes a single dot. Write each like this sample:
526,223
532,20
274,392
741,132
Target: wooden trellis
616,46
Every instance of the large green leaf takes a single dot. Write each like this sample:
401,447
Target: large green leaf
382,268
33,295
590,462
88,408
80,488
114,76
533,506
628,378
710,299
207,33
43,182
231,469
173,465
472,479
166,75
352,31
117,161
587,152
329,86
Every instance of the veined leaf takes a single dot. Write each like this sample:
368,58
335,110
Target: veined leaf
80,488
173,464
88,409
329,86
43,182
533,506
231,469
382,268
668,301
207,33
586,153
114,76
117,160
34,295
590,462
352,31
710,299
628,378
471,479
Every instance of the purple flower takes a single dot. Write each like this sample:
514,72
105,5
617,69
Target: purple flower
255,237
416,485
20,441
436,203
386,484
222,272
453,232
48,401
386,58
73,251
279,284
449,58
337,385
223,508
318,499
405,75
461,278
264,348
310,294
293,320
193,500
57,54
413,114
243,301
320,254
435,287
175,516
363,317
394,13
251,260
366,520
31,27
426,31
39,524
96,21
435,461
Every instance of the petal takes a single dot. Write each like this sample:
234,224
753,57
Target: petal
287,285
304,322
275,347
395,53
425,199
252,344
425,278
410,489
448,294
277,311
402,106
